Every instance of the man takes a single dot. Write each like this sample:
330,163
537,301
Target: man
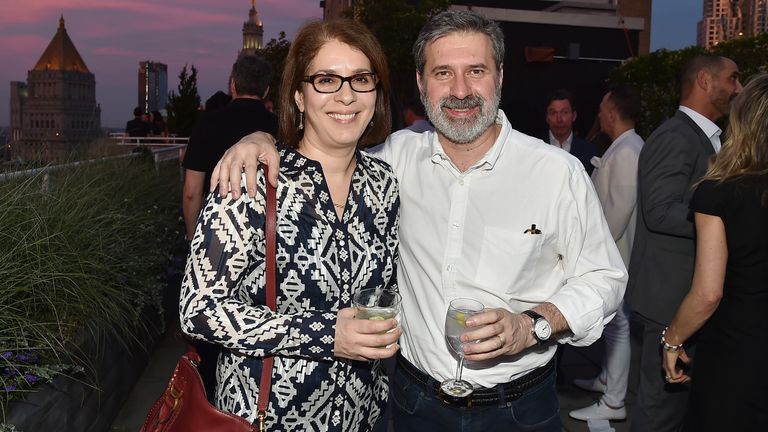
661,268
615,179
490,214
561,113
414,116
138,127
218,130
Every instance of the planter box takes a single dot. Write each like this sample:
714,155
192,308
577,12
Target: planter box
69,405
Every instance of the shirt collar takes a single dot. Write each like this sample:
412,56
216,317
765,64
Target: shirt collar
554,141
708,126
625,134
490,157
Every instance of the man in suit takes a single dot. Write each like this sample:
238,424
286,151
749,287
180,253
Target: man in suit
561,113
673,159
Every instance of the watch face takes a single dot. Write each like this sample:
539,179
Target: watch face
542,329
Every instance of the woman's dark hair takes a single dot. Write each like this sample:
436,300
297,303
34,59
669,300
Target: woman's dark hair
307,43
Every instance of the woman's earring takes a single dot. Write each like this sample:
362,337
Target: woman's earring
370,124
301,120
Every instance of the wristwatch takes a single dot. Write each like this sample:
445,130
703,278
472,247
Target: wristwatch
541,330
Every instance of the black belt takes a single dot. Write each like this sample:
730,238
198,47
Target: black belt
482,396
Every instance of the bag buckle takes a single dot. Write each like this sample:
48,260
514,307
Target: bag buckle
262,420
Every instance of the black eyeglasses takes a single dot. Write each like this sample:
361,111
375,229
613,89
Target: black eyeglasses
331,83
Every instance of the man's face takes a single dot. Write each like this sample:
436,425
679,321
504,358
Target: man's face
460,86
560,117
606,115
725,85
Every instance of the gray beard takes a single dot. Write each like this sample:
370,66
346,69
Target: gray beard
465,130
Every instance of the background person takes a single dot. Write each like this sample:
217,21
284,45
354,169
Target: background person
337,234
137,127
615,180
218,130
673,159
729,293
560,116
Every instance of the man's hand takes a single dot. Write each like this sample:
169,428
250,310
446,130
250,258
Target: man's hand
364,340
246,155
500,333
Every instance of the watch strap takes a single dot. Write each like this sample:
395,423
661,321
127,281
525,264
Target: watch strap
534,317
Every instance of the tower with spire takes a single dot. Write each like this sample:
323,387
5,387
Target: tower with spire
55,112
253,32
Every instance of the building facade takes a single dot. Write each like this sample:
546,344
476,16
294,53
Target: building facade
153,86
253,32
55,114
730,19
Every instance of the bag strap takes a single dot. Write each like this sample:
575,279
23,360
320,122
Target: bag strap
271,267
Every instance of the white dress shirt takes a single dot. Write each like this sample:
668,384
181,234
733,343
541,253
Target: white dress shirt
711,130
615,179
462,235
566,145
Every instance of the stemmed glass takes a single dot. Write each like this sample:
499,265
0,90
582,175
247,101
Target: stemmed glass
456,325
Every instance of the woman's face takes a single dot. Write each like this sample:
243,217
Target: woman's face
336,120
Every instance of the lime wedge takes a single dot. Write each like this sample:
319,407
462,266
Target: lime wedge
461,319
376,318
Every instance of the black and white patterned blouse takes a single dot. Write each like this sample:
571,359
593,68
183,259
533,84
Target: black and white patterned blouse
321,262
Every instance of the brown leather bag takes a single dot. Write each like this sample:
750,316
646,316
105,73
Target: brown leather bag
184,407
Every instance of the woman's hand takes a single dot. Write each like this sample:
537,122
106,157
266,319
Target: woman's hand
364,340
673,375
246,155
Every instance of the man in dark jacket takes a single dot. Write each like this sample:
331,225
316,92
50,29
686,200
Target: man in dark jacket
217,131
561,113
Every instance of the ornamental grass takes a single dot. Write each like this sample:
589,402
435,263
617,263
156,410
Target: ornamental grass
82,249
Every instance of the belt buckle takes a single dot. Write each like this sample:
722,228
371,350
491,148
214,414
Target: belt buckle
458,402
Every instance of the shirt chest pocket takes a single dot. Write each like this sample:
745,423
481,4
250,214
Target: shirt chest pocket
508,260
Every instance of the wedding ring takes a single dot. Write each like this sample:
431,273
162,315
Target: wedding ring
501,339
668,377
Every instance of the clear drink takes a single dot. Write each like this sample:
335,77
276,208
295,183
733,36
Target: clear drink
455,326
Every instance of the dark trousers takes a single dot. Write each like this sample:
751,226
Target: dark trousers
418,409
659,407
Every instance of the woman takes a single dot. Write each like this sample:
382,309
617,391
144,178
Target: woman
337,234
728,299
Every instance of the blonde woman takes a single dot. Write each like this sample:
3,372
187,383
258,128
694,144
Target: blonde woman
728,299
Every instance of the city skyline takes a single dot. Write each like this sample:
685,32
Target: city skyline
113,36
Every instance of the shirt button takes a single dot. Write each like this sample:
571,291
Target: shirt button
461,182
455,225
341,242
449,268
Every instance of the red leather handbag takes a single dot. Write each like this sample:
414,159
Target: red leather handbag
184,407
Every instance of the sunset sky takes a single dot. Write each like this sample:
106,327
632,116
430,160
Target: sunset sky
113,36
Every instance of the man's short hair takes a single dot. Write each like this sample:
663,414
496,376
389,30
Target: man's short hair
137,112
713,64
456,21
626,100
251,75
561,94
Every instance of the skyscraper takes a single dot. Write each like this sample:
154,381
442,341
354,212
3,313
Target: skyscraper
729,19
153,86
55,113
253,32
